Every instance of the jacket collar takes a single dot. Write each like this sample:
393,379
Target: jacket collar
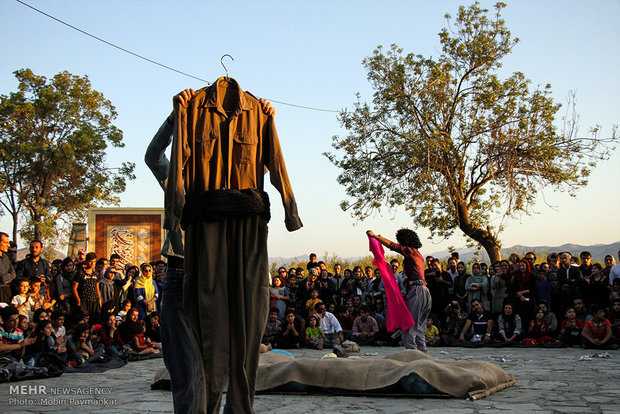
215,96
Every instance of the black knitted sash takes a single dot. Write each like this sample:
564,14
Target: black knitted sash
218,205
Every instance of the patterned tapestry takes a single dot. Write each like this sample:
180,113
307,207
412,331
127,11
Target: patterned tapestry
131,242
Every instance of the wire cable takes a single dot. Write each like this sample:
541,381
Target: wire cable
155,62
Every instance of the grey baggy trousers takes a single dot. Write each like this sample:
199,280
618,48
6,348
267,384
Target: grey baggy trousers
226,300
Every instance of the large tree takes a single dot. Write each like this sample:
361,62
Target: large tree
455,144
54,136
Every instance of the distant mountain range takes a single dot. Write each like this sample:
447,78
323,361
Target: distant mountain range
598,251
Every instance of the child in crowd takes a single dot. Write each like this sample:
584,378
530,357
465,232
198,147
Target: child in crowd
44,342
290,332
272,329
96,340
538,332
314,333
26,327
432,333
125,306
22,301
312,302
549,317
142,344
79,347
39,301
543,288
570,333
597,331
59,332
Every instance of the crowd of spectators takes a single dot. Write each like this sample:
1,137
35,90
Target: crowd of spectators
564,300
87,309
81,309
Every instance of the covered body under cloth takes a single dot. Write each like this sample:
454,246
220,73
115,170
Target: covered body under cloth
223,142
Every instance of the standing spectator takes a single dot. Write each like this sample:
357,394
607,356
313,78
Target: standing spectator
337,278
522,289
326,287
81,257
460,281
569,277
86,289
312,261
34,265
499,286
399,276
542,287
586,264
146,291
477,287
279,296
64,285
595,287
7,271
439,284
610,262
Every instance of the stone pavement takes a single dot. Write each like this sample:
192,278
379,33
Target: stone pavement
548,381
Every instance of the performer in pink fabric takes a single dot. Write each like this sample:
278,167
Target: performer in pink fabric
398,315
417,298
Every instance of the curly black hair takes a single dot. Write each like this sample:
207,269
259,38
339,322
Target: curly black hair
409,238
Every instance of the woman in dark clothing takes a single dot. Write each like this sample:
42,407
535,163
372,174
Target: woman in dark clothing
522,288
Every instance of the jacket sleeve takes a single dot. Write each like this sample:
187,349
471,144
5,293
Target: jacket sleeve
155,157
279,177
175,188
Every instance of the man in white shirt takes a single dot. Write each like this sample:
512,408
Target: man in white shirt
330,327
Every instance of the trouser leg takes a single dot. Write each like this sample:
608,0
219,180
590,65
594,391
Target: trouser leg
180,350
227,303
419,304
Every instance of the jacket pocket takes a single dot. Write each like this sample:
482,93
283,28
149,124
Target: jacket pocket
206,142
244,148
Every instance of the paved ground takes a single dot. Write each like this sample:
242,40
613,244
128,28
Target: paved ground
548,380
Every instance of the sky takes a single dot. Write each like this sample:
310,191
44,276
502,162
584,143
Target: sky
310,54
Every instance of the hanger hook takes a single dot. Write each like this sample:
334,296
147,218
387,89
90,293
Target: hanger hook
222,62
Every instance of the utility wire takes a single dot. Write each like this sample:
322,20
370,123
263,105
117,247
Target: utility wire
155,62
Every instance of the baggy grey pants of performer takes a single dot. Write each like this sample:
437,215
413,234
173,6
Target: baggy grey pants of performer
419,302
181,354
226,298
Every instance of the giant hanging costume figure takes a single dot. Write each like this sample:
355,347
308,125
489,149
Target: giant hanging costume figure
223,144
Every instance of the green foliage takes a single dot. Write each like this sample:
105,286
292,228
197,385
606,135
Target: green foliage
452,142
54,135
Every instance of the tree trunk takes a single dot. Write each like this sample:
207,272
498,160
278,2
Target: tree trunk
15,217
486,239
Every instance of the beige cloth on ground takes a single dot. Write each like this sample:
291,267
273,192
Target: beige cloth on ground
456,378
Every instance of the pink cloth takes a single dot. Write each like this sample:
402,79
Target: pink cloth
398,315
